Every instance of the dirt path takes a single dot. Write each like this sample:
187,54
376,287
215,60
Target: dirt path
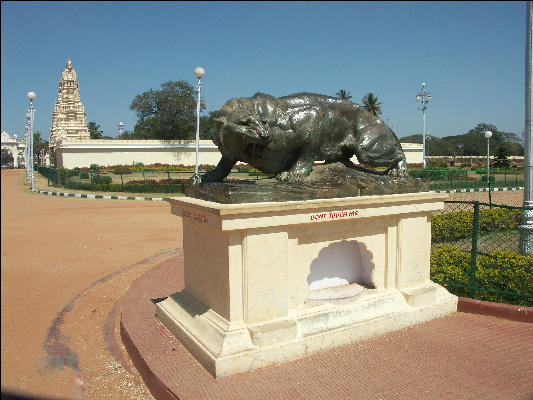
65,264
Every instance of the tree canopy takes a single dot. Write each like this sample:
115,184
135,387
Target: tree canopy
168,113
343,94
371,103
207,125
471,143
501,159
39,144
6,157
94,130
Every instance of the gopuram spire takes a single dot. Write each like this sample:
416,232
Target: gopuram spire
68,119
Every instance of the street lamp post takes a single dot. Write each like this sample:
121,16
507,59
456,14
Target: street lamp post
31,96
26,146
526,226
423,97
488,135
428,139
29,143
199,73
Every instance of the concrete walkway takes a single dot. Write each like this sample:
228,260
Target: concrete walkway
67,270
462,356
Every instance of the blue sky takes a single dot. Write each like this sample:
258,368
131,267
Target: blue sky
470,54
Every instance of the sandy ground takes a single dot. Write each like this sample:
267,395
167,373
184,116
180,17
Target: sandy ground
65,264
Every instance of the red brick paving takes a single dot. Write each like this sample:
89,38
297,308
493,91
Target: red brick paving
462,356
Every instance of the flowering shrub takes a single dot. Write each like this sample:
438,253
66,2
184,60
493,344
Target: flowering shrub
499,270
137,167
451,226
159,182
506,271
449,263
457,225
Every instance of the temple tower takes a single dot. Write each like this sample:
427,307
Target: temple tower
68,119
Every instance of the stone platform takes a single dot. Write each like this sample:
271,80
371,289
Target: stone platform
326,181
271,282
444,358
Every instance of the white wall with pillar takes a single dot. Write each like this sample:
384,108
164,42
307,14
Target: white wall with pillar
83,153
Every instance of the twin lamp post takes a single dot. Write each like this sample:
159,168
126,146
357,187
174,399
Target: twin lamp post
424,98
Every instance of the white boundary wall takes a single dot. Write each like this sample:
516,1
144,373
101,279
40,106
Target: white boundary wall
83,153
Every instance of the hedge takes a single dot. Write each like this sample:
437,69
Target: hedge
458,225
437,174
499,270
101,179
128,187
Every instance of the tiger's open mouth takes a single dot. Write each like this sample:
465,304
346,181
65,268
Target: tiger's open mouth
254,151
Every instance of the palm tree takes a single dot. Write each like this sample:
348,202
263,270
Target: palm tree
343,94
370,102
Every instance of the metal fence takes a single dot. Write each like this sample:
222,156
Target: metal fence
475,252
465,179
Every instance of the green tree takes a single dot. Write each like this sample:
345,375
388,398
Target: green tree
343,94
94,130
207,125
472,143
38,144
6,157
371,103
169,113
501,159
128,135
411,139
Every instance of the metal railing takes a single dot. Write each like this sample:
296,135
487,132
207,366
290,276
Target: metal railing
440,179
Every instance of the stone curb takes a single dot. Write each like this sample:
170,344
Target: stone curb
100,196
505,189
106,197
499,310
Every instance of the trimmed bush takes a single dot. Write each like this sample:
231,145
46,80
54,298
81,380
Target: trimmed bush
84,175
506,271
74,172
498,219
453,226
437,174
94,185
452,264
122,170
499,270
102,179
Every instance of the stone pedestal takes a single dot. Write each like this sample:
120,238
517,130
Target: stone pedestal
247,300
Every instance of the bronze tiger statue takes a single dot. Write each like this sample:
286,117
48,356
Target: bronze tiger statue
286,135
